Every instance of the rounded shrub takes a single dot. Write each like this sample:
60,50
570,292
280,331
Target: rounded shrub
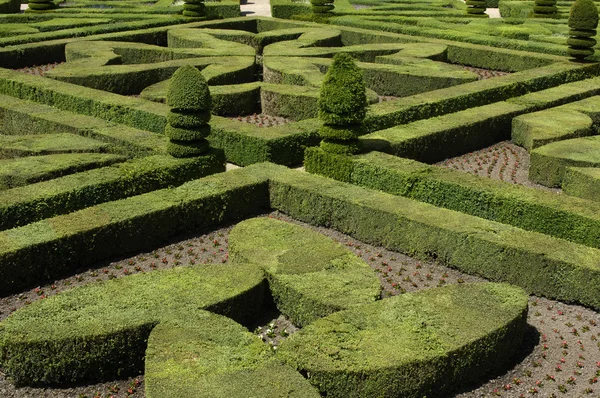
342,104
583,21
188,90
187,121
476,7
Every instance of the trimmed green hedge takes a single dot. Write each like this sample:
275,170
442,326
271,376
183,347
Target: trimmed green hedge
34,202
583,182
310,276
105,332
43,250
539,263
22,171
47,144
427,343
548,162
531,209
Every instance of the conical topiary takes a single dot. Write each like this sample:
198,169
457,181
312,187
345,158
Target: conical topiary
342,106
476,7
322,6
194,8
544,9
583,21
41,5
187,121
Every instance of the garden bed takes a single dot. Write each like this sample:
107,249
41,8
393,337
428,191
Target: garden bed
560,355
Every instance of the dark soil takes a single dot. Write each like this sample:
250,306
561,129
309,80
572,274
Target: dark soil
39,70
262,120
503,161
561,357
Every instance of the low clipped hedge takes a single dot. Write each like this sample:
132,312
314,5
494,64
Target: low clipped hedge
310,276
531,209
48,144
412,345
583,182
105,332
43,250
548,162
23,205
27,170
539,263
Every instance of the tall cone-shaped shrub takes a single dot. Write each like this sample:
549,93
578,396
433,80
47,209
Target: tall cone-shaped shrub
187,121
342,106
544,9
321,6
194,8
476,7
41,5
583,21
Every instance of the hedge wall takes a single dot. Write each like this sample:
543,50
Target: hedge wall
583,182
531,209
26,204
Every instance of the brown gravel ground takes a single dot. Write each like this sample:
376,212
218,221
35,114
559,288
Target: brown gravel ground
560,358
262,120
502,161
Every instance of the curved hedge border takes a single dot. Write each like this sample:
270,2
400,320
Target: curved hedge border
36,252
105,330
310,275
528,208
548,162
583,182
412,345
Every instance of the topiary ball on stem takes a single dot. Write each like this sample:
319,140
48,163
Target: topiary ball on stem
342,106
583,21
187,121
476,7
544,9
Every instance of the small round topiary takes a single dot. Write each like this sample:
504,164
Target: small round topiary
342,103
583,21
188,90
476,7
187,121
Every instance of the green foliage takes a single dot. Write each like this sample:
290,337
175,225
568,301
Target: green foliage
186,149
476,7
544,9
471,244
560,216
583,21
188,91
343,100
582,182
341,147
583,15
51,247
310,275
447,336
33,202
104,333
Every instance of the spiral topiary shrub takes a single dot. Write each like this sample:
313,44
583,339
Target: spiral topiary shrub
194,8
342,106
476,7
583,21
321,6
41,5
187,121
544,9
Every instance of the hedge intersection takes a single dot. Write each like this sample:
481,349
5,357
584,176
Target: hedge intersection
118,119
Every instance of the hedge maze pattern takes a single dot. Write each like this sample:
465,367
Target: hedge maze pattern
92,167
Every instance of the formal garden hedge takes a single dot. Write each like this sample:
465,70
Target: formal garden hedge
88,106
